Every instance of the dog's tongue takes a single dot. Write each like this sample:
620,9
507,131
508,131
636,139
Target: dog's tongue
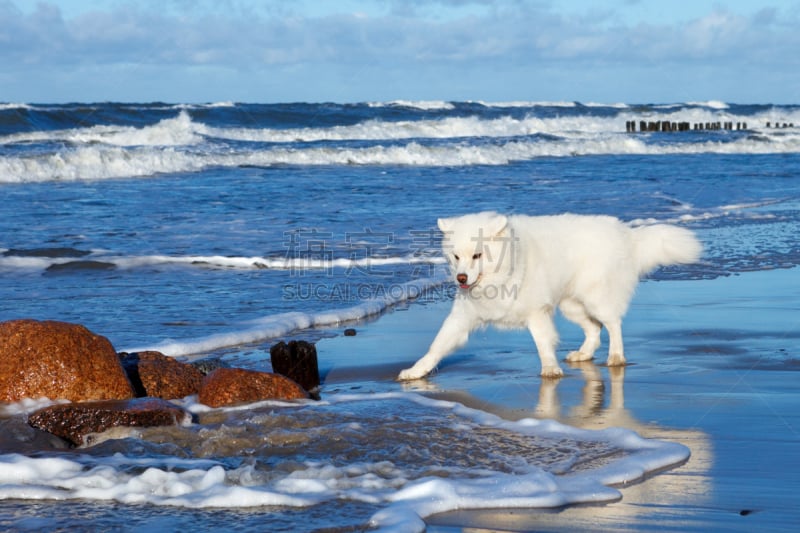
464,286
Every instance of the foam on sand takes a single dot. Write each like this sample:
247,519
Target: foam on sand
360,453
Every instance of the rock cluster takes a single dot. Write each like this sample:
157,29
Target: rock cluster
62,361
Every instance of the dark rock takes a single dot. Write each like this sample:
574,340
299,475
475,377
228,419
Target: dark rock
75,421
296,360
58,361
71,266
158,376
350,332
209,364
231,386
17,436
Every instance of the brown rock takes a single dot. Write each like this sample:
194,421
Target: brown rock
296,360
58,361
75,421
231,386
158,376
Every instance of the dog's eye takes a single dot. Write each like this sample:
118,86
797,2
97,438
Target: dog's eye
477,256
456,256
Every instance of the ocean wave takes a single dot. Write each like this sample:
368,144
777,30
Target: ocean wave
210,105
23,260
273,326
176,131
686,213
104,162
499,127
11,106
423,105
617,105
524,103
182,130
713,104
377,130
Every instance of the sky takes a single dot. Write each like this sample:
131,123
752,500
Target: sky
193,51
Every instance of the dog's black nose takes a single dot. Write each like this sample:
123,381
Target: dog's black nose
461,278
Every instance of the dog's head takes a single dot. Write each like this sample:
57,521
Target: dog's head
476,246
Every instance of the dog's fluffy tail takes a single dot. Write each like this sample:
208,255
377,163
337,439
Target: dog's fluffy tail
662,244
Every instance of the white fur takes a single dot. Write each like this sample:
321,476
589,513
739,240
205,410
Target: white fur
513,272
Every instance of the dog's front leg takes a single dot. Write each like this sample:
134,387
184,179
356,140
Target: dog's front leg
545,336
453,334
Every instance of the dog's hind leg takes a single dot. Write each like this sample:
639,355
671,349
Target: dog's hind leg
545,336
575,311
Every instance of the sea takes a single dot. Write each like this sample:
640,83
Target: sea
217,230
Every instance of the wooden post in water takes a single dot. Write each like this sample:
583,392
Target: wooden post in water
668,126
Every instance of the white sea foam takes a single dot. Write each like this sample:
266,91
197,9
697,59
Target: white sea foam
424,105
273,326
219,261
404,494
713,104
10,105
176,131
180,144
98,162
686,213
210,105
26,405
445,128
524,103
182,130
618,105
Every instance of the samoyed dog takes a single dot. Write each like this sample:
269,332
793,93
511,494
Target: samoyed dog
514,271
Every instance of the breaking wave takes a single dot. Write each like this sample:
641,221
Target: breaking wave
104,162
419,134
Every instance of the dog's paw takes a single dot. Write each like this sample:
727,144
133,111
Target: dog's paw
552,372
578,356
616,359
410,374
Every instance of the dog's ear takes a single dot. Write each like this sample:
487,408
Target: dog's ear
496,225
445,224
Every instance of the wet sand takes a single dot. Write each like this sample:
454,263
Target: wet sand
713,365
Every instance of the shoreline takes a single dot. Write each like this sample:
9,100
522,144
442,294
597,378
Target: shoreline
711,366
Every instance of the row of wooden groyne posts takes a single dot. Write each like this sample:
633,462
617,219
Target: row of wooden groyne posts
665,125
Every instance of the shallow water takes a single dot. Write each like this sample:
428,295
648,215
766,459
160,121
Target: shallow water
403,455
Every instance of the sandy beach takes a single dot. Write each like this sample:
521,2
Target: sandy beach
712,365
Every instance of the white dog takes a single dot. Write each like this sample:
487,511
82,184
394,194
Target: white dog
513,272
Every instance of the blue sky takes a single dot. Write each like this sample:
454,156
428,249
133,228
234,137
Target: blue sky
634,51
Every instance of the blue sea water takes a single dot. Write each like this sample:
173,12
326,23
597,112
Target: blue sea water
219,228
151,221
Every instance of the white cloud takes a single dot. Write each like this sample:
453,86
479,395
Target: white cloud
454,37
